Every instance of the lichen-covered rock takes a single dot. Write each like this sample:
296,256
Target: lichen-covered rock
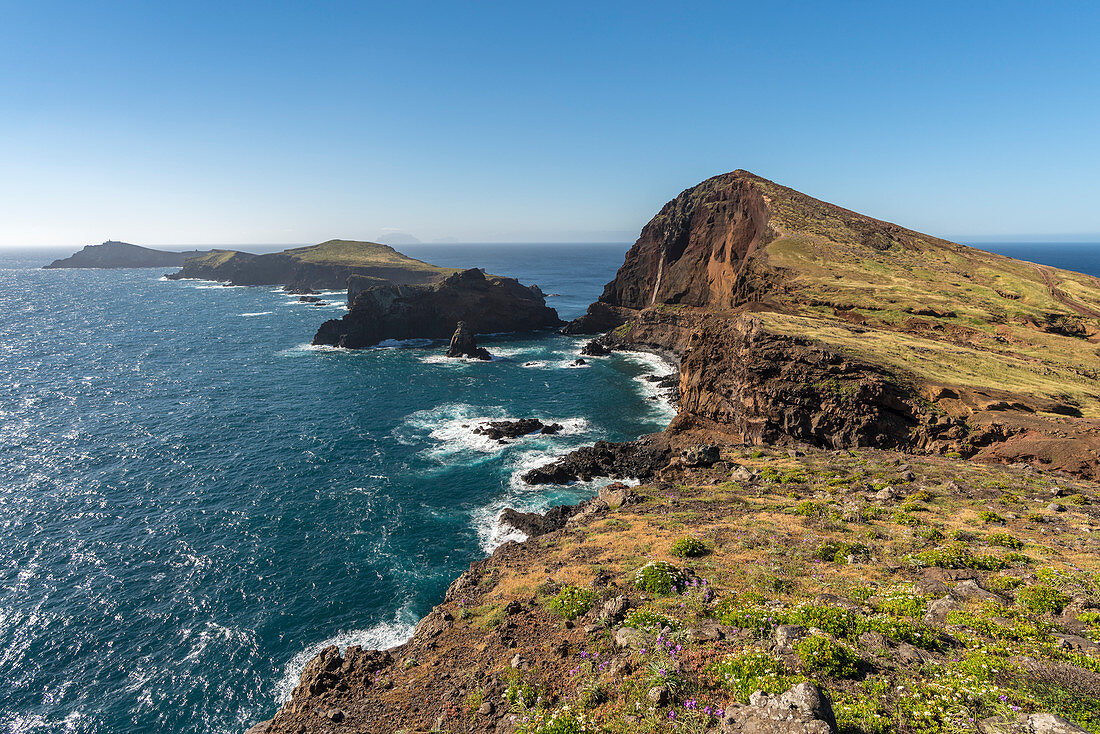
803,709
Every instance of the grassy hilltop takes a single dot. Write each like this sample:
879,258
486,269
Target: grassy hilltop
324,266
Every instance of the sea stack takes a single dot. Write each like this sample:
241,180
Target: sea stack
463,344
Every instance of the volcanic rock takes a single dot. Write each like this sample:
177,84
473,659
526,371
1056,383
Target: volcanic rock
464,345
634,459
514,429
487,304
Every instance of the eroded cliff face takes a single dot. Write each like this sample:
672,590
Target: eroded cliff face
487,305
694,251
796,320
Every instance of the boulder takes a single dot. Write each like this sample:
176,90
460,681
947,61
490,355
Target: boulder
801,710
616,495
533,524
703,455
595,349
939,609
970,591
639,459
501,430
632,638
788,634
464,345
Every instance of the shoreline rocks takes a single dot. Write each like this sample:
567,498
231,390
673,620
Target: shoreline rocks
639,459
501,430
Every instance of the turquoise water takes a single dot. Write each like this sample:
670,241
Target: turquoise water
193,502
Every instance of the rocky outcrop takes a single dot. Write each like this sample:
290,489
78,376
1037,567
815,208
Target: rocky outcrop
326,266
487,305
463,344
113,254
533,524
639,459
803,709
501,430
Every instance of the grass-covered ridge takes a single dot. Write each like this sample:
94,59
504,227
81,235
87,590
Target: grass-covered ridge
353,252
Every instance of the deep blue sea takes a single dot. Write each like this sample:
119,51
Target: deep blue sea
193,502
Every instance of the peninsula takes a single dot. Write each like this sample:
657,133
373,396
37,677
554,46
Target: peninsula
876,511
326,266
112,254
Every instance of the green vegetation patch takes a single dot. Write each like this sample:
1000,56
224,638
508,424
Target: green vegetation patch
572,601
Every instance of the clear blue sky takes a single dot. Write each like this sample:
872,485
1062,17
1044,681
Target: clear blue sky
272,122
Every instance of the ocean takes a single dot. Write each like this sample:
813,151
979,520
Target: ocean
194,502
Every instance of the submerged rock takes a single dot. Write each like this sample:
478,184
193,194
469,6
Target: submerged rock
463,344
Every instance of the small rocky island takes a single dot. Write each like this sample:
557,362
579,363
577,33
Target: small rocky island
486,304
113,254
326,266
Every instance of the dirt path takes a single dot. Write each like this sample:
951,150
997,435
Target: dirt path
1052,286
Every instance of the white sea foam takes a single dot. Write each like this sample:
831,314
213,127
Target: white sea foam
457,361
379,637
402,343
257,313
450,428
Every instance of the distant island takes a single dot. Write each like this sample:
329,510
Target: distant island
326,266
114,254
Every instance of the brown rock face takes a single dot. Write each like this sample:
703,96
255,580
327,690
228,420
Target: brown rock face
694,251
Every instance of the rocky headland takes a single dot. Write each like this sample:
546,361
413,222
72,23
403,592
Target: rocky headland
326,266
795,320
486,304
875,513
113,254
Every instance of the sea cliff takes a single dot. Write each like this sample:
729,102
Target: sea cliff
486,304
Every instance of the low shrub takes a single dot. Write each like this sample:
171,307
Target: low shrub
1003,584
645,618
659,577
750,671
956,555
902,518
1005,540
822,656
1042,599
689,547
572,601
838,552
990,517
